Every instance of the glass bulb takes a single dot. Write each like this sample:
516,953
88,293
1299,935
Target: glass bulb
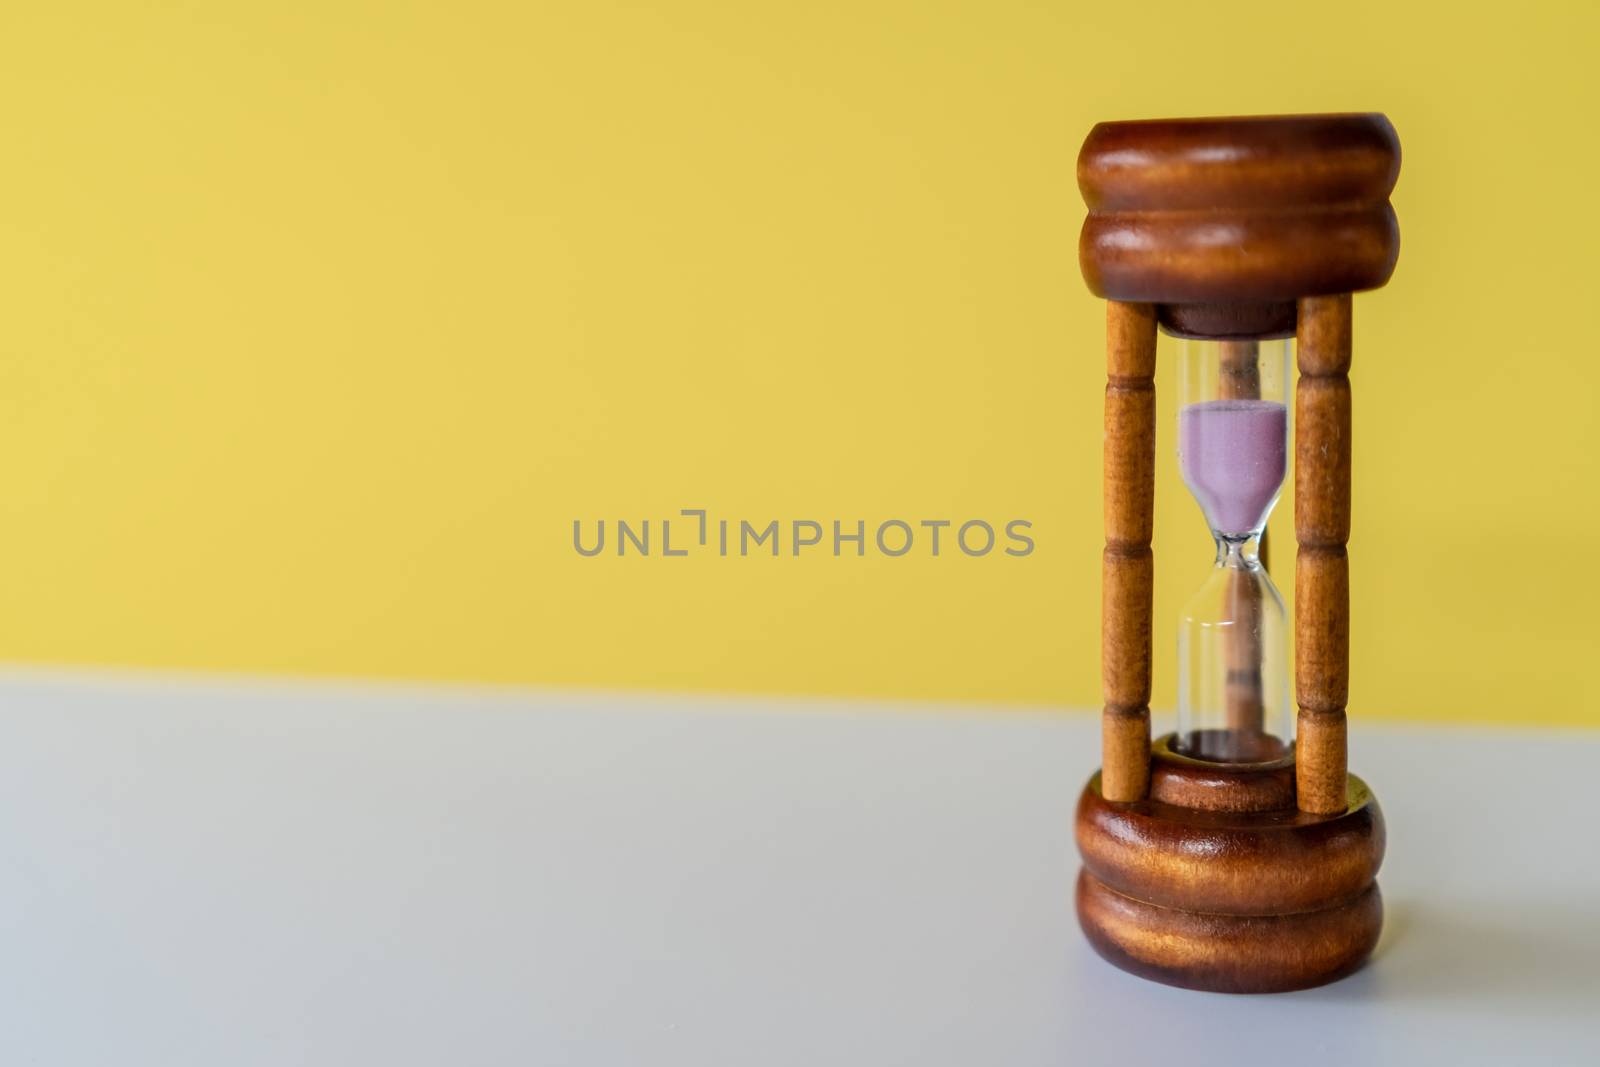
1233,440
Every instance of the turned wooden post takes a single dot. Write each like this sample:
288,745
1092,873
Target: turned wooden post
1128,568
1240,368
1322,568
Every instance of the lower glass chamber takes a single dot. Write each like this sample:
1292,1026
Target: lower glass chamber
1233,442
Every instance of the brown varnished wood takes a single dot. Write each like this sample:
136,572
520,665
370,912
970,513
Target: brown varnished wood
1229,953
1125,744
1245,876
1204,785
1239,370
1242,320
1231,862
1227,217
1238,254
1231,320
1127,591
1244,700
1130,451
1322,628
1322,565
1254,161
1235,889
1128,568
1223,745
1321,753
1239,378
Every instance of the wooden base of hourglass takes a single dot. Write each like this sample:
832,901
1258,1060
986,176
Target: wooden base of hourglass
1216,880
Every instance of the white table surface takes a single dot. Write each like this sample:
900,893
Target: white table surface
229,874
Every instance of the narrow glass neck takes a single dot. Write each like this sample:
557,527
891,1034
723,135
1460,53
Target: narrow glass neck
1238,551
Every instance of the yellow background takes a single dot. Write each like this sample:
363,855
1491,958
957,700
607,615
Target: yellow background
321,322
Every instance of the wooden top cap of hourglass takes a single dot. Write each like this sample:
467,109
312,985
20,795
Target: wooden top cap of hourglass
1226,221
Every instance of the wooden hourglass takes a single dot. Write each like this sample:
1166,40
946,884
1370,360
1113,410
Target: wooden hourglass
1236,854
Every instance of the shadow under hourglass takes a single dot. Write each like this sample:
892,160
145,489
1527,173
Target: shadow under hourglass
1540,960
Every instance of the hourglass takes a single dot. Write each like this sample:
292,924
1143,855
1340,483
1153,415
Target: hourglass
1236,853
1233,686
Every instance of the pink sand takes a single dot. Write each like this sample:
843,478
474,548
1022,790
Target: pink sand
1234,457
